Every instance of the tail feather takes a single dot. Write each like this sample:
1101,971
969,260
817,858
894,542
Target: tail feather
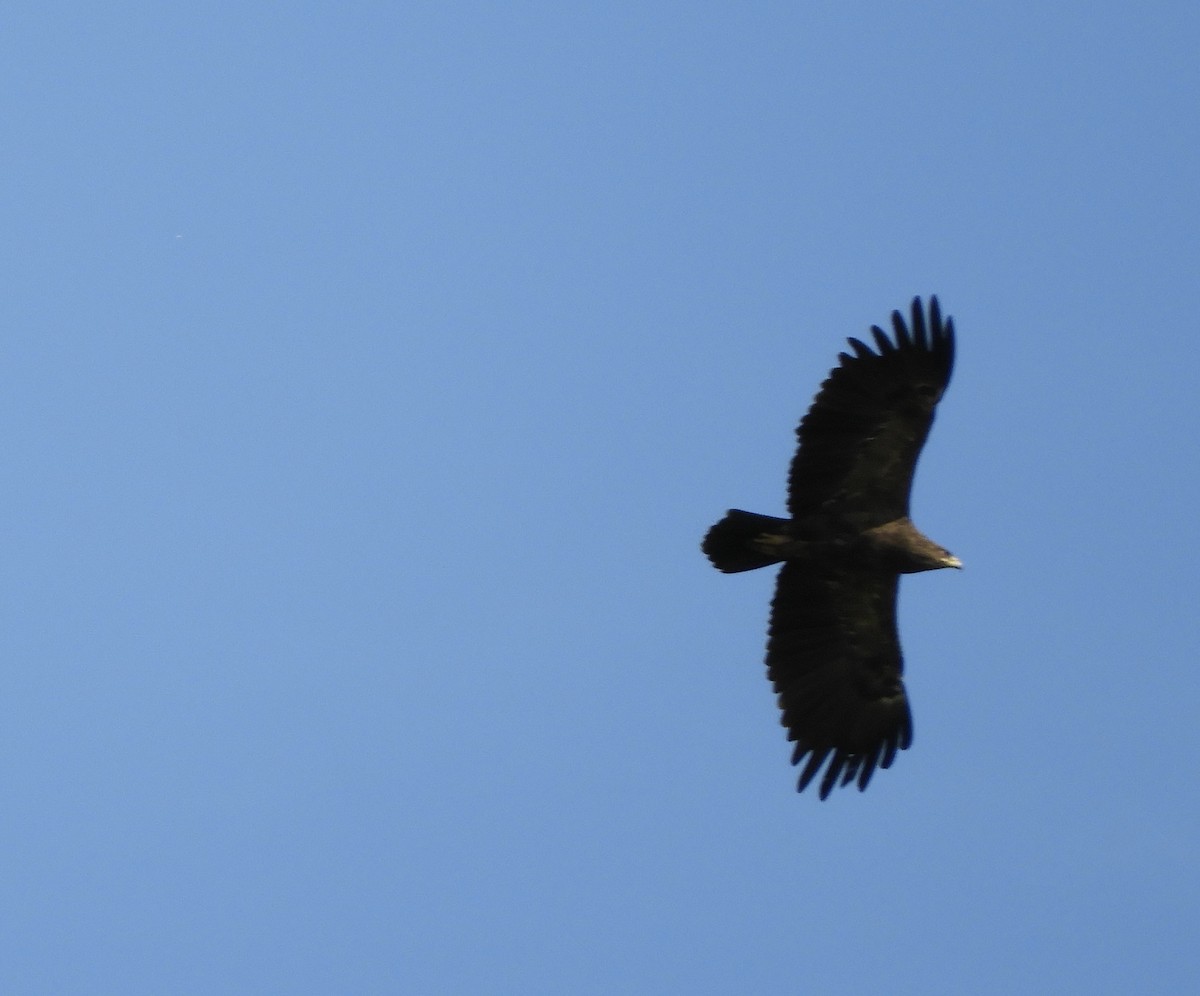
729,544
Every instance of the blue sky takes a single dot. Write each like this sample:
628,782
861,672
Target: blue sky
369,376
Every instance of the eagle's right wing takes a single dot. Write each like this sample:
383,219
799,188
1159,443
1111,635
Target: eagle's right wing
860,440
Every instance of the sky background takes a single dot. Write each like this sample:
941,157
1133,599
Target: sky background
368,377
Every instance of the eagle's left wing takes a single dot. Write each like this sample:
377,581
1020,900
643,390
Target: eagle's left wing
834,658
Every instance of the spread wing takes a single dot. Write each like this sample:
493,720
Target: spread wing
860,440
834,659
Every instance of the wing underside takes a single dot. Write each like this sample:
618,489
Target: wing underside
834,659
860,440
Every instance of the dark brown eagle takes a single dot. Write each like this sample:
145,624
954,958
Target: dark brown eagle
833,654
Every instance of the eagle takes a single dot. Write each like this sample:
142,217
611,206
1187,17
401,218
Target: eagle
833,653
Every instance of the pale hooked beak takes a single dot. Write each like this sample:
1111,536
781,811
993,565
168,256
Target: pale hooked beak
952,561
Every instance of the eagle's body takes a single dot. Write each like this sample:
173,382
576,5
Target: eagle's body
833,653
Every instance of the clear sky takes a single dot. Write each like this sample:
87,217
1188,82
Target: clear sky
369,374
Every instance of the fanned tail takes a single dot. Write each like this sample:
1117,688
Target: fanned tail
729,544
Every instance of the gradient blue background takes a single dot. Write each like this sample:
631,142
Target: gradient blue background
368,377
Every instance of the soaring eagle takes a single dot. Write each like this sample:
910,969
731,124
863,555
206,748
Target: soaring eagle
833,654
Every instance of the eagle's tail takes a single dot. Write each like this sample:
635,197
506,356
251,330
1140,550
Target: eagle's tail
730,543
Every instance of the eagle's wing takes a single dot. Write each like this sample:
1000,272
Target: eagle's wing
860,440
834,659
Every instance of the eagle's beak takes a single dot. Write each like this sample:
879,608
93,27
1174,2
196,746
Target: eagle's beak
952,562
